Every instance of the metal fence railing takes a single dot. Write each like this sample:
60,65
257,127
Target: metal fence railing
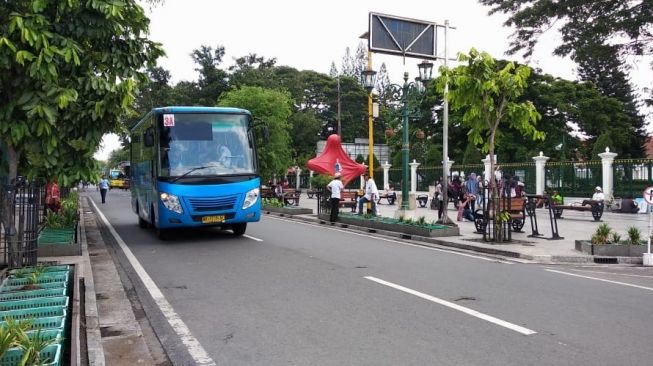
21,213
570,178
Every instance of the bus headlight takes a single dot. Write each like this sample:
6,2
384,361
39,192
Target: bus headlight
171,202
250,198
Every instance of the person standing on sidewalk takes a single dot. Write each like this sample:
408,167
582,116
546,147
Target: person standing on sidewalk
371,195
335,187
104,187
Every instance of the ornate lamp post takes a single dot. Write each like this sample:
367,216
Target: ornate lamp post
401,92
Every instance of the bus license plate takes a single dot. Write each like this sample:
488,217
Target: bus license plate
212,219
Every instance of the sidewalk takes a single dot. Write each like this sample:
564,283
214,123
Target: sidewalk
574,226
110,334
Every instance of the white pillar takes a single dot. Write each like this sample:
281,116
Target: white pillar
606,163
298,172
540,174
363,178
413,176
310,179
486,162
386,179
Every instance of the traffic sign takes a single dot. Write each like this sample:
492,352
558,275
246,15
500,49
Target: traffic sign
402,36
648,195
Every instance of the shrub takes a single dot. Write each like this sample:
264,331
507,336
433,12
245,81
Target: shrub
602,234
615,237
634,236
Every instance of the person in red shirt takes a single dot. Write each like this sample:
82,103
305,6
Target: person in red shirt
53,196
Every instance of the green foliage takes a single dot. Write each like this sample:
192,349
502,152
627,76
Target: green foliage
421,221
67,215
69,84
272,202
530,18
604,141
273,107
360,159
634,235
32,347
602,234
615,237
601,48
320,180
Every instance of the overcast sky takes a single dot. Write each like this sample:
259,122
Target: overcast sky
311,35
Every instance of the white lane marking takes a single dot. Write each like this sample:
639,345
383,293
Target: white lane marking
468,311
253,238
394,241
602,280
194,347
607,273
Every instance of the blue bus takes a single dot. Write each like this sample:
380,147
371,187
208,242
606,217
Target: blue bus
195,167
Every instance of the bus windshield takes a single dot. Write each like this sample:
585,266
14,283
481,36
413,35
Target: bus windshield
193,145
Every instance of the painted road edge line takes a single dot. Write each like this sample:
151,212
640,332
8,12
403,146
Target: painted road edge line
468,311
251,237
602,280
195,349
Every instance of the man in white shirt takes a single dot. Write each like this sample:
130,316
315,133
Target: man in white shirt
335,187
371,195
597,197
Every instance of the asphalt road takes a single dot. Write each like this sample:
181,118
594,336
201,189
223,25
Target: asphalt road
302,294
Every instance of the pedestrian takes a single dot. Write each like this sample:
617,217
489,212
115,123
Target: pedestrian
335,187
53,196
472,188
455,191
104,187
371,195
464,207
438,199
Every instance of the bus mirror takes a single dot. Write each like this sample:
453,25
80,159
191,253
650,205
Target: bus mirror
148,138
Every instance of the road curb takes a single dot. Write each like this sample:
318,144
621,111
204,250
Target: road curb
94,346
544,259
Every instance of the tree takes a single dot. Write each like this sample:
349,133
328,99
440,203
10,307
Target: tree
625,24
588,27
488,96
333,71
68,75
212,81
64,84
348,67
274,108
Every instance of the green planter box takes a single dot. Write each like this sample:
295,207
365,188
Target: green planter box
288,210
51,353
387,224
58,243
34,303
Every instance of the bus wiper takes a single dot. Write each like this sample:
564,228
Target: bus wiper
192,170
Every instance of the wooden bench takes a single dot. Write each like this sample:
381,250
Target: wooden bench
268,193
516,206
291,196
348,199
596,209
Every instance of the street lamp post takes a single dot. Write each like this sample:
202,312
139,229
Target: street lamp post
425,70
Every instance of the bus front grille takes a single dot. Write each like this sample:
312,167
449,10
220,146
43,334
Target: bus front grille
208,204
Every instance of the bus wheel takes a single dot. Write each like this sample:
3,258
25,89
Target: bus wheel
239,229
141,222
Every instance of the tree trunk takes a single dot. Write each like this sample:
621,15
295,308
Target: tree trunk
494,193
13,235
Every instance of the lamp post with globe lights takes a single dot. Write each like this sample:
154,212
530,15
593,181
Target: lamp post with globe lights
401,92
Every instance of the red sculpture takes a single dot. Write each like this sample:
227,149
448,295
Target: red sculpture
334,155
